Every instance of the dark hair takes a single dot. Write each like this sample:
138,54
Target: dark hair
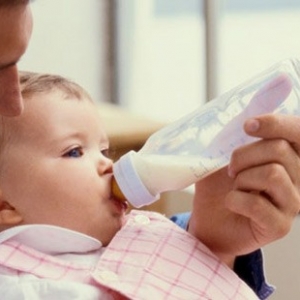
8,3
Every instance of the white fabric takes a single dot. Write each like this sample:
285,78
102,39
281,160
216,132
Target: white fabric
58,242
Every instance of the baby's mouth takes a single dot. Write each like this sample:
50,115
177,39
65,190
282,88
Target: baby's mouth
120,203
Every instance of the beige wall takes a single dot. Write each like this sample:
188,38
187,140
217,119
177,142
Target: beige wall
69,38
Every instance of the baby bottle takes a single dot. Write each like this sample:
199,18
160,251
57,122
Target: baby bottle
202,142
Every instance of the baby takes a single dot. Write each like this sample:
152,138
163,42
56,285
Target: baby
63,234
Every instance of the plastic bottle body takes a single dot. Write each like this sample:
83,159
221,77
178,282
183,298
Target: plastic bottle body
200,143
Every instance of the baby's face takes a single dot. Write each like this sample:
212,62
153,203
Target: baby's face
55,169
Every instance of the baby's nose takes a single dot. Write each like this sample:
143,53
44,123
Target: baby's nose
105,165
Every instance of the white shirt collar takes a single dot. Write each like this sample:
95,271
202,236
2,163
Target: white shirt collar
51,239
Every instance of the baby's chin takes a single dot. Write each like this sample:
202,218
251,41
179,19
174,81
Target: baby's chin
110,233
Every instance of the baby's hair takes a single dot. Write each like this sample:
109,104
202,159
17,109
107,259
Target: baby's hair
34,83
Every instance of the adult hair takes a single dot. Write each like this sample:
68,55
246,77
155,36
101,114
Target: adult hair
8,3
32,83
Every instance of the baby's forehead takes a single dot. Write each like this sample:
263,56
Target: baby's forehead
45,113
40,106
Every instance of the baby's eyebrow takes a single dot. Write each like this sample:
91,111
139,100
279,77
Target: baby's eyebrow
64,138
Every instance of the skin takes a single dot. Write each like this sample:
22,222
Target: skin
15,32
259,195
56,152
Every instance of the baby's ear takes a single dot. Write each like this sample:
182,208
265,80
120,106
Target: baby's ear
9,216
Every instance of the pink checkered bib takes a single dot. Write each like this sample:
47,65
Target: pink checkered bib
149,258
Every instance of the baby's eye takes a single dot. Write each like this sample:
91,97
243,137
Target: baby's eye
75,152
105,152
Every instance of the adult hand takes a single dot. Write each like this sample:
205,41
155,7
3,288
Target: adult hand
254,201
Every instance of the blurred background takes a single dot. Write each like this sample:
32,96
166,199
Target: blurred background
161,59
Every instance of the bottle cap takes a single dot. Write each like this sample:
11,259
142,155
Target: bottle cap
129,182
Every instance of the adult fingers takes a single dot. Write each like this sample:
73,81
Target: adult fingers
262,152
266,221
272,126
273,183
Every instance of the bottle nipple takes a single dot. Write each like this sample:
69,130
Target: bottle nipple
116,191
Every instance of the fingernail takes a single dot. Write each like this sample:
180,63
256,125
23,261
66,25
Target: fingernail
252,125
